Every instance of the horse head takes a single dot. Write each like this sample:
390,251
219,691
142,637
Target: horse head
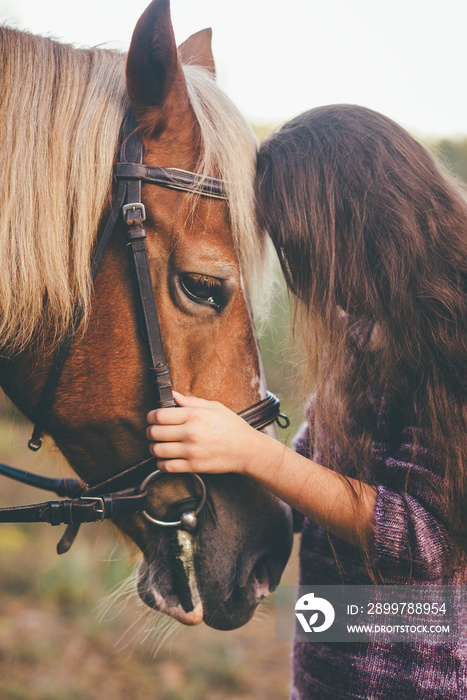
204,255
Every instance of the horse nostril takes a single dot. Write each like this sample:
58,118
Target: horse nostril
263,577
259,571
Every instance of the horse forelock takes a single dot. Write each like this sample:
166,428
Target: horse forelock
61,111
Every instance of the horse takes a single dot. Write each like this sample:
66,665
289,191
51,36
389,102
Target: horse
61,116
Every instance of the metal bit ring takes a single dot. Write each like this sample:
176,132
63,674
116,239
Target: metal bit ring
174,523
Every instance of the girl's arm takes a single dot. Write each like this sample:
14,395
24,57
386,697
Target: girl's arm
204,436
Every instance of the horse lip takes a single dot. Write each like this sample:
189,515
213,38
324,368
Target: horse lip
153,599
172,602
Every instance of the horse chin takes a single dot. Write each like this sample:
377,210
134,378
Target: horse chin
166,604
176,593
173,590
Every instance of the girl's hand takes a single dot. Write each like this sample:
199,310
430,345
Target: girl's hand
204,436
200,436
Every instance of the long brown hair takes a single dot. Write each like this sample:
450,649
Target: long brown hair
372,238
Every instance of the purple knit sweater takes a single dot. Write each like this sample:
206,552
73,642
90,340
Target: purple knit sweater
410,540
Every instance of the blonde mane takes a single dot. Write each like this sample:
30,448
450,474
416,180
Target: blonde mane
61,111
60,114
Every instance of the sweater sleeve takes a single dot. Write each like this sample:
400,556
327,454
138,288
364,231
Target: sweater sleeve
302,441
410,537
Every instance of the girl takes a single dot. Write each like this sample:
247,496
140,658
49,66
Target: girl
372,239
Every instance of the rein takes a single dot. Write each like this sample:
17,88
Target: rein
125,493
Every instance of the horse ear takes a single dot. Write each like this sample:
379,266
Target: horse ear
197,51
153,69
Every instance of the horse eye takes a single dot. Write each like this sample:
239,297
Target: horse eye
203,289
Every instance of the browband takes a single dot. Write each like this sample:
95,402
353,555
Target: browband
174,178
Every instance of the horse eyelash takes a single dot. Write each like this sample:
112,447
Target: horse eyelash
211,282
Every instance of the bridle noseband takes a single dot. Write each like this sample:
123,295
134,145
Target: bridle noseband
124,493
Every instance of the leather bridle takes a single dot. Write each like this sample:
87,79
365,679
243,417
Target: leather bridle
124,493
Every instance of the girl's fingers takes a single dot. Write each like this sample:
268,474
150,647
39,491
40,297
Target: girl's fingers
173,465
164,433
168,450
168,416
192,401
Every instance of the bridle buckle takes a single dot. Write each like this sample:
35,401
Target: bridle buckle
100,501
133,207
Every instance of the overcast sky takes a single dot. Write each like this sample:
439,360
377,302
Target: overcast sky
405,58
